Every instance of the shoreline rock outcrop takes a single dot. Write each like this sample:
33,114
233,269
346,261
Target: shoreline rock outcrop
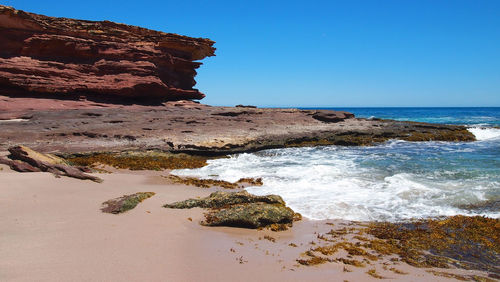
242,209
199,129
125,203
24,159
208,183
65,58
224,199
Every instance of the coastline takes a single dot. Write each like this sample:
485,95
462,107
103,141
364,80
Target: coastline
107,110
199,129
53,228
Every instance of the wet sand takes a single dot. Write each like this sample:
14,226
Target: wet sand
52,229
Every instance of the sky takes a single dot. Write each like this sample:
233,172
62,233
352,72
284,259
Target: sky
350,53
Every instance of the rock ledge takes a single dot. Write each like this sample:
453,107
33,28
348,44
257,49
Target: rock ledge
65,58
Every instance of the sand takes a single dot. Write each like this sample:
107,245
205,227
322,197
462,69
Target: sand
52,229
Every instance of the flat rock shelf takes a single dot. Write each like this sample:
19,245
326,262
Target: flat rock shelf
195,128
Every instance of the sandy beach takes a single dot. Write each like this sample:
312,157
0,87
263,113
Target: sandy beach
53,230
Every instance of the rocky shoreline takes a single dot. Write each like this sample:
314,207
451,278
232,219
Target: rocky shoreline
188,127
185,134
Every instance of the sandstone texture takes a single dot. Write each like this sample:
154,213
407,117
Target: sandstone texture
24,159
199,129
242,209
64,58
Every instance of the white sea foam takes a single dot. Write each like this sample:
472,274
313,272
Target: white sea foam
484,133
336,182
13,120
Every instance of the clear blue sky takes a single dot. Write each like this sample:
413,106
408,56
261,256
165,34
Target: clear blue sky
325,53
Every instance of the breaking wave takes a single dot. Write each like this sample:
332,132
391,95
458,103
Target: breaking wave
394,181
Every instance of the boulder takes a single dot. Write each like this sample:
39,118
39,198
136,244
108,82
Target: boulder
34,158
221,199
246,106
24,159
253,215
331,116
65,58
242,209
19,165
125,202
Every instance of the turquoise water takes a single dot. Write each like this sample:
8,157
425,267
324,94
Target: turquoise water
462,116
393,181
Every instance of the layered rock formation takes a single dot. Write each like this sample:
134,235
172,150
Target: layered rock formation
43,56
24,159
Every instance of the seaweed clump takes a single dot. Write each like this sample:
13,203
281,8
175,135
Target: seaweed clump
314,260
462,241
125,203
140,160
349,247
207,183
457,241
373,273
366,139
442,135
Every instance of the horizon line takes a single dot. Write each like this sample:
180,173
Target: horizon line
303,107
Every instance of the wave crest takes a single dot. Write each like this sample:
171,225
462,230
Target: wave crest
485,133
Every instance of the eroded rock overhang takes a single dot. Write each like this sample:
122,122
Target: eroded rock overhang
65,58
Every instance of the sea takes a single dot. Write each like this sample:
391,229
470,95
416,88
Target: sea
393,181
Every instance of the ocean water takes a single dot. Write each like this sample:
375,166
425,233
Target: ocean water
393,181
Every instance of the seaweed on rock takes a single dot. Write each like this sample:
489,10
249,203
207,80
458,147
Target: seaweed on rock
140,160
207,183
462,241
252,215
219,199
457,241
242,209
125,203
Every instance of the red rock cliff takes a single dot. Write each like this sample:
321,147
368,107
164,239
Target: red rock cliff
66,58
